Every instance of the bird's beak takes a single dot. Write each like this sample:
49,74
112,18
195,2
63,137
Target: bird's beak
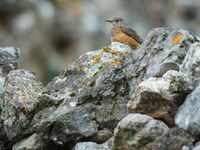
108,21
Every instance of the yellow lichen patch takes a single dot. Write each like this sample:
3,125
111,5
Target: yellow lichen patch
2,60
105,62
177,38
112,52
78,68
69,66
115,63
105,69
96,59
83,68
107,49
126,52
88,82
117,60
119,52
83,86
153,39
80,79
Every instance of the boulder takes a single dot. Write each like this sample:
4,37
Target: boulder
188,115
19,102
137,131
173,139
155,98
90,146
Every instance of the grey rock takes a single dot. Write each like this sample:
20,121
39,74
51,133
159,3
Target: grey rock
191,67
185,148
137,131
196,147
160,52
174,139
33,142
153,97
19,102
90,98
90,146
9,59
188,116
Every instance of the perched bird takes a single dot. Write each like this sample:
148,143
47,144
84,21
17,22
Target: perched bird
121,32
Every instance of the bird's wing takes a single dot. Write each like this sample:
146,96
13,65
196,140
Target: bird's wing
132,33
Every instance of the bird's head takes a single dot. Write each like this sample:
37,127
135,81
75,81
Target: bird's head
117,22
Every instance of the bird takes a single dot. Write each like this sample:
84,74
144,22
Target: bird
122,32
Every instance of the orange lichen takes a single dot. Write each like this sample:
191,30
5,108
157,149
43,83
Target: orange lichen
88,82
126,52
69,66
78,68
106,49
80,79
177,38
105,69
96,59
119,52
153,39
105,62
115,63
83,86
112,52
83,68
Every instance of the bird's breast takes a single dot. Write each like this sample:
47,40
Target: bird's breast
117,35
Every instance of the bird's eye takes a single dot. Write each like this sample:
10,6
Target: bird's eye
117,20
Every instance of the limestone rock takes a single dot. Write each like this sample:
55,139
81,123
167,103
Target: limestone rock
33,142
188,115
163,49
19,102
153,97
90,146
174,139
137,131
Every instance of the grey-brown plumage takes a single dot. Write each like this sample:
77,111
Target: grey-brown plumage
122,33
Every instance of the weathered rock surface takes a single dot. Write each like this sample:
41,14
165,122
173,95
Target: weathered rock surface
163,49
94,97
196,147
90,146
188,115
173,139
190,71
137,131
19,102
153,97
89,100
33,142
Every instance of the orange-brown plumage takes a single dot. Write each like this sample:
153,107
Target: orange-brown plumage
122,33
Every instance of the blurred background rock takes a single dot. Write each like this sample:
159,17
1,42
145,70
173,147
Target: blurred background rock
53,33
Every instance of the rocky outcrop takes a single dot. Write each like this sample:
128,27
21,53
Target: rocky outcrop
111,98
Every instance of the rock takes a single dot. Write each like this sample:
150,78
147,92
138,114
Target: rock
154,98
185,148
191,68
90,146
19,102
137,131
33,142
163,49
89,98
174,139
188,115
9,59
196,147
